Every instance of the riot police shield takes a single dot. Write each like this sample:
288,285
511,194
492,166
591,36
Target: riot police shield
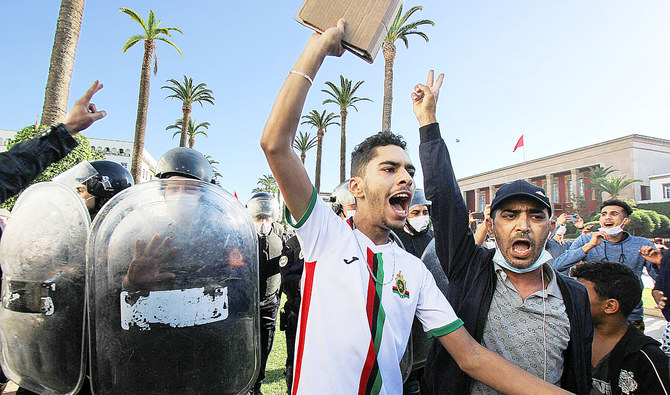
173,302
420,341
42,311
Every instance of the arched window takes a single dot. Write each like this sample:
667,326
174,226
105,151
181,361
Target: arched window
121,151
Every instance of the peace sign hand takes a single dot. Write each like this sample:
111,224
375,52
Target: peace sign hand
424,99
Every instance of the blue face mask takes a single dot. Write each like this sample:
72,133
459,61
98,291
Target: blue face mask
500,260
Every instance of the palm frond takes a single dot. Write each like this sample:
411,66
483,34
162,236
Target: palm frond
132,41
169,42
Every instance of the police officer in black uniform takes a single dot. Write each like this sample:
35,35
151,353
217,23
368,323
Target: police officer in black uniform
111,179
291,265
264,210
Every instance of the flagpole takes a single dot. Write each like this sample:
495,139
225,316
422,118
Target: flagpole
524,152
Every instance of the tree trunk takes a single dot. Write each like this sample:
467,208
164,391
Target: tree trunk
186,110
389,57
317,175
63,54
343,144
142,107
303,155
191,141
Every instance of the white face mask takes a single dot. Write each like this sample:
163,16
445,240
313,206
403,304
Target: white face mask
561,230
612,231
544,257
349,213
263,228
419,223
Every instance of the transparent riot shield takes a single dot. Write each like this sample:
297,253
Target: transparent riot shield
43,295
420,341
173,301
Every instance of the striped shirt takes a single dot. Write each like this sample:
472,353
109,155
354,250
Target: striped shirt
353,330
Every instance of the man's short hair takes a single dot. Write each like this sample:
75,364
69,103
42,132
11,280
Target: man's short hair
617,202
612,281
365,151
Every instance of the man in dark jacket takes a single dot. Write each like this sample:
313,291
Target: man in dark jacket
624,360
509,298
26,160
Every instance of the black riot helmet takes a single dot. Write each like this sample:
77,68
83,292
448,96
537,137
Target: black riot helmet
111,179
185,162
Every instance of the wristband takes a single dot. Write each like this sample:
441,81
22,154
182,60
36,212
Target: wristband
302,74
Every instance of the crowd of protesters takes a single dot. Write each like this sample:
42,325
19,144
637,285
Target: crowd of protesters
524,312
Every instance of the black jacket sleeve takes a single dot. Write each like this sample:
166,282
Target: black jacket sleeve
26,160
454,242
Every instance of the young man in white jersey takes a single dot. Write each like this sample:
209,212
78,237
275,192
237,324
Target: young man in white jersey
360,291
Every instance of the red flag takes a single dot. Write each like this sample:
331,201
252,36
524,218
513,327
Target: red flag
235,194
518,143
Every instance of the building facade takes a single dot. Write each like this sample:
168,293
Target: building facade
114,150
563,175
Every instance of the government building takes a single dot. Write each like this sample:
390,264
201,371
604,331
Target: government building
563,175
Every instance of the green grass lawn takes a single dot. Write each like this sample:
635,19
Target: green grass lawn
275,381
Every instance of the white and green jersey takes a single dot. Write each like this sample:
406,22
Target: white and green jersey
353,330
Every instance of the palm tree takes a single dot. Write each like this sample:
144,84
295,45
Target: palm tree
62,61
150,34
192,130
344,97
188,94
213,162
266,183
304,143
595,174
613,185
320,122
399,30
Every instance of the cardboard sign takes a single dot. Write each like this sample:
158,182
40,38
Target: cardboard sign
368,22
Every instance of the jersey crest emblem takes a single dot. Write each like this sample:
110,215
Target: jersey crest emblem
400,286
627,382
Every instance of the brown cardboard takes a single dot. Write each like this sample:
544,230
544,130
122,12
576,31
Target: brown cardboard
367,21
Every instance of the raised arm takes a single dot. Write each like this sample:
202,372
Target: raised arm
279,132
26,160
449,213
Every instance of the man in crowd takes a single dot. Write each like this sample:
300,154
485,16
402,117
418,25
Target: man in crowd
26,160
361,292
509,298
612,243
416,234
343,202
661,289
624,360
556,245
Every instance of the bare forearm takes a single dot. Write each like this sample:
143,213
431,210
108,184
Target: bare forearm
480,233
279,132
285,114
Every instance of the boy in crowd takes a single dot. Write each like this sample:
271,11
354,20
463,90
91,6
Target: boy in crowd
624,360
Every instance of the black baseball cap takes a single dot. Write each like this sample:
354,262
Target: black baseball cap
521,188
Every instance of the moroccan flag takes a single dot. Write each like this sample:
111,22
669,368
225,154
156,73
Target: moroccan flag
518,143
235,193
